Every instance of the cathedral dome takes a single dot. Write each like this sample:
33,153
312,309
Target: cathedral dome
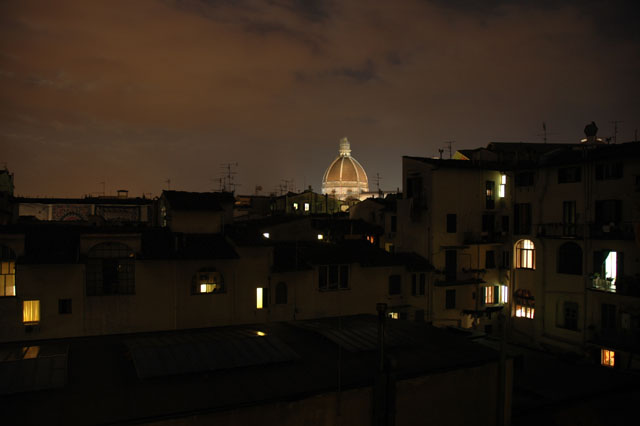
345,177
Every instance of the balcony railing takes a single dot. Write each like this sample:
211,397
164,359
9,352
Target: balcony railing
612,231
625,285
561,230
484,237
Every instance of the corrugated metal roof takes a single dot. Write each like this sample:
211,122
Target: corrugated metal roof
357,336
206,351
30,368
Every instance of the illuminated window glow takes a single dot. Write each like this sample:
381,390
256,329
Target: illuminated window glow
207,280
494,295
306,207
31,312
393,315
525,311
259,296
320,236
503,185
31,352
488,296
295,206
265,234
611,268
525,255
607,358
260,333
7,278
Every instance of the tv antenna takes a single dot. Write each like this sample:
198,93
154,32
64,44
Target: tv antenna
227,183
449,143
378,178
615,130
103,183
168,182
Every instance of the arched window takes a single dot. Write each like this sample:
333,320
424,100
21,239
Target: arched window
281,293
570,259
7,271
525,255
207,280
110,269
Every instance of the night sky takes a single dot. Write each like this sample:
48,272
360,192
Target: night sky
133,93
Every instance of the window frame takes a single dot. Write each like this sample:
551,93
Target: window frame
525,257
7,271
112,263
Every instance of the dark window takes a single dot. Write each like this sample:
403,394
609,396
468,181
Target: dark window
505,260
524,178
450,299
522,218
344,276
452,223
608,313
395,284
110,270
505,223
569,174
414,284
281,293
570,259
490,187
419,316
333,277
570,310
490,259
608,211
568,218
322,277
488,223
423,282
417,287
414,187
64,306
450,265
609,171
394,223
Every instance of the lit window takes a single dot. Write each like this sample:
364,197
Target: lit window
259,298
265,234
30,352
524,304
525,311
611,268
489,296
295,206
320,236
393,315
31,311
493,295
525,255
7,272
504,294
503,185
261,333
607,358
207,281
306,207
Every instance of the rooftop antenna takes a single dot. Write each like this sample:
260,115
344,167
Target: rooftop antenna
449,143
544,131
168,182
229,185
378,178
103,183
615,130
441,151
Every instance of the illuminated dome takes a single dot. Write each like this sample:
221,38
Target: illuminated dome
345,177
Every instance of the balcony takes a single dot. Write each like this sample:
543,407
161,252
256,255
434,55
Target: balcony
561,230
494,237
612,231
625,285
